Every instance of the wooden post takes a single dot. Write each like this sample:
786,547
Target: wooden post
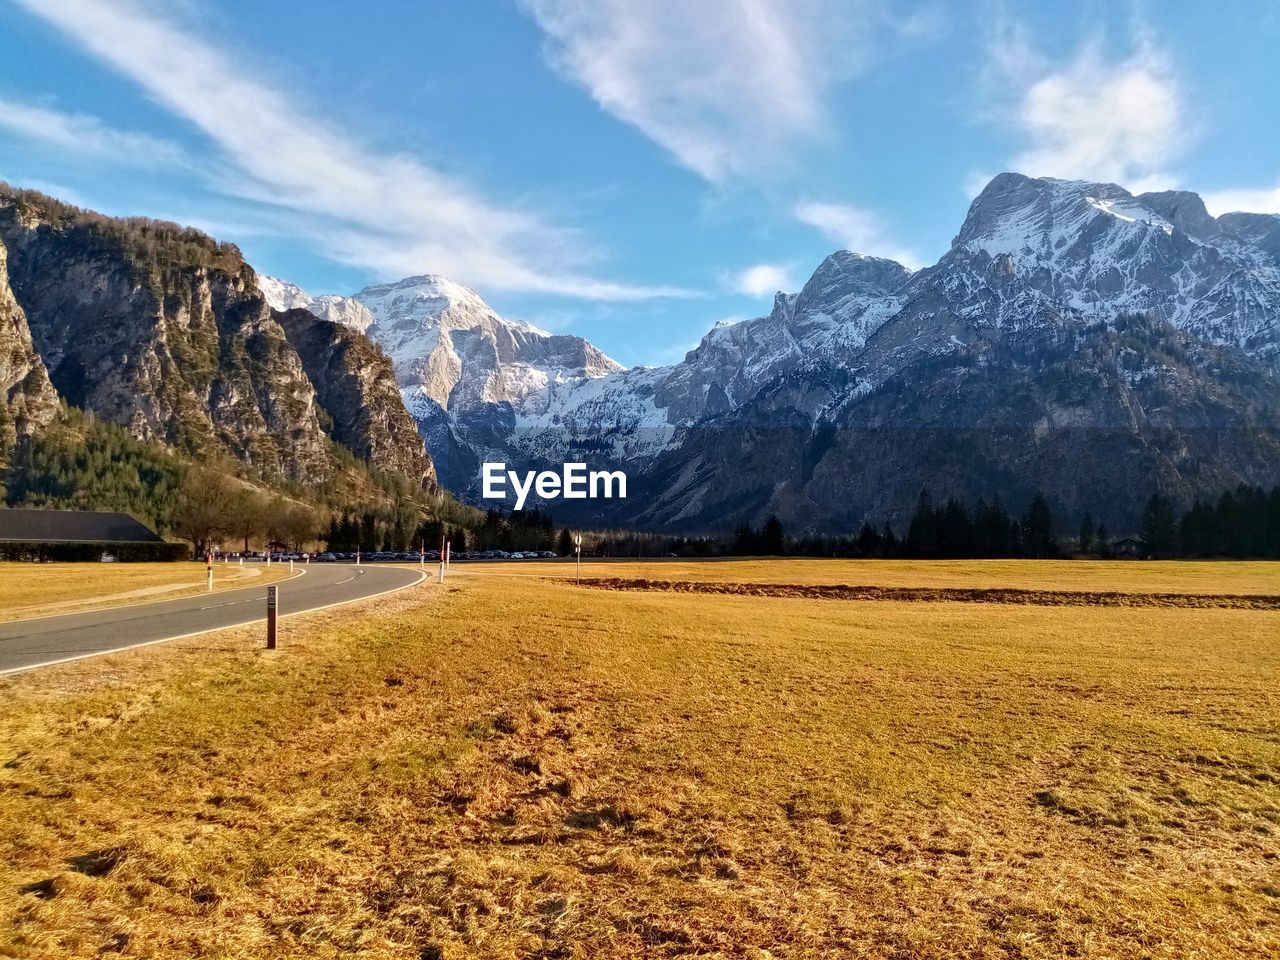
271,617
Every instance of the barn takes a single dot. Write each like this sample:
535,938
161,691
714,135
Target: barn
80,535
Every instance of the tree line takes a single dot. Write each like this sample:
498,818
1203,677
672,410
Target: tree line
370,530
1243,523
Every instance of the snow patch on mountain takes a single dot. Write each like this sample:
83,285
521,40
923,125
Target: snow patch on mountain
283,295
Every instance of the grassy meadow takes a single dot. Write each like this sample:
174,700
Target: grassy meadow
511,766
1157,576
40,589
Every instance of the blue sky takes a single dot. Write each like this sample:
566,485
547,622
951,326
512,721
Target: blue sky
628,170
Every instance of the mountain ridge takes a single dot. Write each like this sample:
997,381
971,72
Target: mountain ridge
1039,264
162,330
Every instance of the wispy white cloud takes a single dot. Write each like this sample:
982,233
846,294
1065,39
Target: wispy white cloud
761,279
1091,118
726,87
1266,200
856,229
390,213
84,135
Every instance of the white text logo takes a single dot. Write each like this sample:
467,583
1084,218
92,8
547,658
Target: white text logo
574,482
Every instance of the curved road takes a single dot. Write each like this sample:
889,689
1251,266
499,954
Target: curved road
43,641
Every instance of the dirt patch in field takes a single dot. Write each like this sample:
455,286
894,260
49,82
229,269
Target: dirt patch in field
1041,598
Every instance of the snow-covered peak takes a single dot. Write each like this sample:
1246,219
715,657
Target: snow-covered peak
1046,217
343,310
423,297
281,294
452,348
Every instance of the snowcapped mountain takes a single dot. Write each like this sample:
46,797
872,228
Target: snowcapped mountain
282,295
1071,316
452,350
1094,251
462,369
1073,333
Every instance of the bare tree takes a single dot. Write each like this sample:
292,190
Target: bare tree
248,515
291,523
300,525
203,509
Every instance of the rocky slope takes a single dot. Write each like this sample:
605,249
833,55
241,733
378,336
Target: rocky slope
1075,338
27,398
460,366
163,330
356,389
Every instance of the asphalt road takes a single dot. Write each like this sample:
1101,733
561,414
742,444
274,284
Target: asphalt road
40,642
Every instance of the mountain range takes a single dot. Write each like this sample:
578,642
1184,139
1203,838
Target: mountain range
1075,339
163,330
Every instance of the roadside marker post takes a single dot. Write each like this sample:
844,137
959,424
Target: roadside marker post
577,550
422,554
357,556
442,545
291,564
271,618
448,554
208,571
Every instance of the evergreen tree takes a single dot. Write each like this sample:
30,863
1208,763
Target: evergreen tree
1087,533
772,541
1037,529
1159,528
922,534
746,542
955,530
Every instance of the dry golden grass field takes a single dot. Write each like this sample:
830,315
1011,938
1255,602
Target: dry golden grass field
1129,576
40,589
512,766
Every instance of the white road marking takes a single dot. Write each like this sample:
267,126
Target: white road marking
197,633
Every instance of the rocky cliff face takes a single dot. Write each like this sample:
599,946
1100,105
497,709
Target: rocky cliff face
357,391
27,398
462,369
163,330
452,350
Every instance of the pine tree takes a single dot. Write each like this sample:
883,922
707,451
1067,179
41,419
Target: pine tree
922,534
772,541
1159,530
1087,533
1037,529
